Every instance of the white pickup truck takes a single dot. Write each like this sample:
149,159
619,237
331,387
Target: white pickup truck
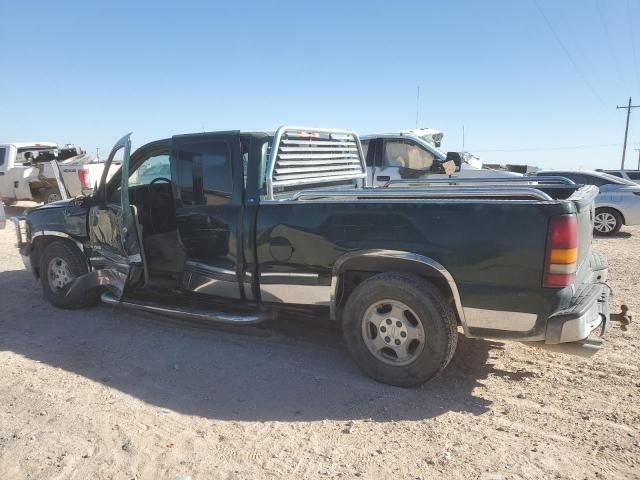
412,154
26,172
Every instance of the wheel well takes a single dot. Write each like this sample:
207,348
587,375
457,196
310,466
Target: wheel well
615,210
39,244
354,272
38,189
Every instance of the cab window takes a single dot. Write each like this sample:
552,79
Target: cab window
365,151
405,154
204,173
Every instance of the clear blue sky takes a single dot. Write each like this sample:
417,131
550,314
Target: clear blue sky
87,72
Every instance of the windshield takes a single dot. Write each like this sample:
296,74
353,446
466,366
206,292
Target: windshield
439,154
35,152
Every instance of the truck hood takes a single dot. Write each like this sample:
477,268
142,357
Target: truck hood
59,204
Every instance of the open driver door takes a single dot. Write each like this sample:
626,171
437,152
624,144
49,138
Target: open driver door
114,231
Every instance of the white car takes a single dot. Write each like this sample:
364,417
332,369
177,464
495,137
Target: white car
407,156
617,204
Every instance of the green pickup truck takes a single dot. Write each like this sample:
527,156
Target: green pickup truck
240,226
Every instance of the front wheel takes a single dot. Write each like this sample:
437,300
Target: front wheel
400,329
61,263
607,221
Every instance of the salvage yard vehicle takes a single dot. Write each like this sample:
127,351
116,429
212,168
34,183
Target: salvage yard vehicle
411,155
27,174
240,226
617,204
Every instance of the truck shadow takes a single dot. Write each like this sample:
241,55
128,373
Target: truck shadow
282,371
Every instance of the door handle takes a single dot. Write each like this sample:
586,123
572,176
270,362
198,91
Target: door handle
383,178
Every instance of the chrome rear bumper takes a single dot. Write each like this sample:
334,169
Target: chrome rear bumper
588,312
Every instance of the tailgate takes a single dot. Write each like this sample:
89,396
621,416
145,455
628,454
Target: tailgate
584,201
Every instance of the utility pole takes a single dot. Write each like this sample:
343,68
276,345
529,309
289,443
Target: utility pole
626,130
638,150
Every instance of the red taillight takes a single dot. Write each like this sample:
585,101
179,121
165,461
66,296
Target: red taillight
562,251
83,175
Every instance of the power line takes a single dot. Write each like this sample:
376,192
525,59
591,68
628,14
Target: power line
540,149
608,39
633,41
566,51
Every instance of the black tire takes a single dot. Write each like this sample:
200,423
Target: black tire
608,213
77,266
51,194
432,310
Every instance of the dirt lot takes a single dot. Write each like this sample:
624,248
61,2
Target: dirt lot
105,393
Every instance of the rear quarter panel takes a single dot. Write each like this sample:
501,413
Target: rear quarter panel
495,251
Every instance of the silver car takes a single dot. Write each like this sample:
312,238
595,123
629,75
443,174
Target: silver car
617,204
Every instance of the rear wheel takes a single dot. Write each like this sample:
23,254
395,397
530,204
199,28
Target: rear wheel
607,221
400,329
61,263
51,194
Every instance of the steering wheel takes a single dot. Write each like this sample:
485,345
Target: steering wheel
159,179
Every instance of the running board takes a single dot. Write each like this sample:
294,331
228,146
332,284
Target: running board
191,313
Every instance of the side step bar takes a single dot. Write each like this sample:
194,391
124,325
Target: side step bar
191,313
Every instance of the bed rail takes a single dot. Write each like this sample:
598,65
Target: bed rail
528,180
514,193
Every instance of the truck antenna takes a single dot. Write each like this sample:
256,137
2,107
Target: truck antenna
417,106
463,137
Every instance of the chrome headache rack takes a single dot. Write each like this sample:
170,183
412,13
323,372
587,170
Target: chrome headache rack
311,156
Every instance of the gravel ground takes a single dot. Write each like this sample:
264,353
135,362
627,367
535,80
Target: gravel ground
111,394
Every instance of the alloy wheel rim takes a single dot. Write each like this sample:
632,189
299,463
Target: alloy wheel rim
605,222
393,332
59,273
